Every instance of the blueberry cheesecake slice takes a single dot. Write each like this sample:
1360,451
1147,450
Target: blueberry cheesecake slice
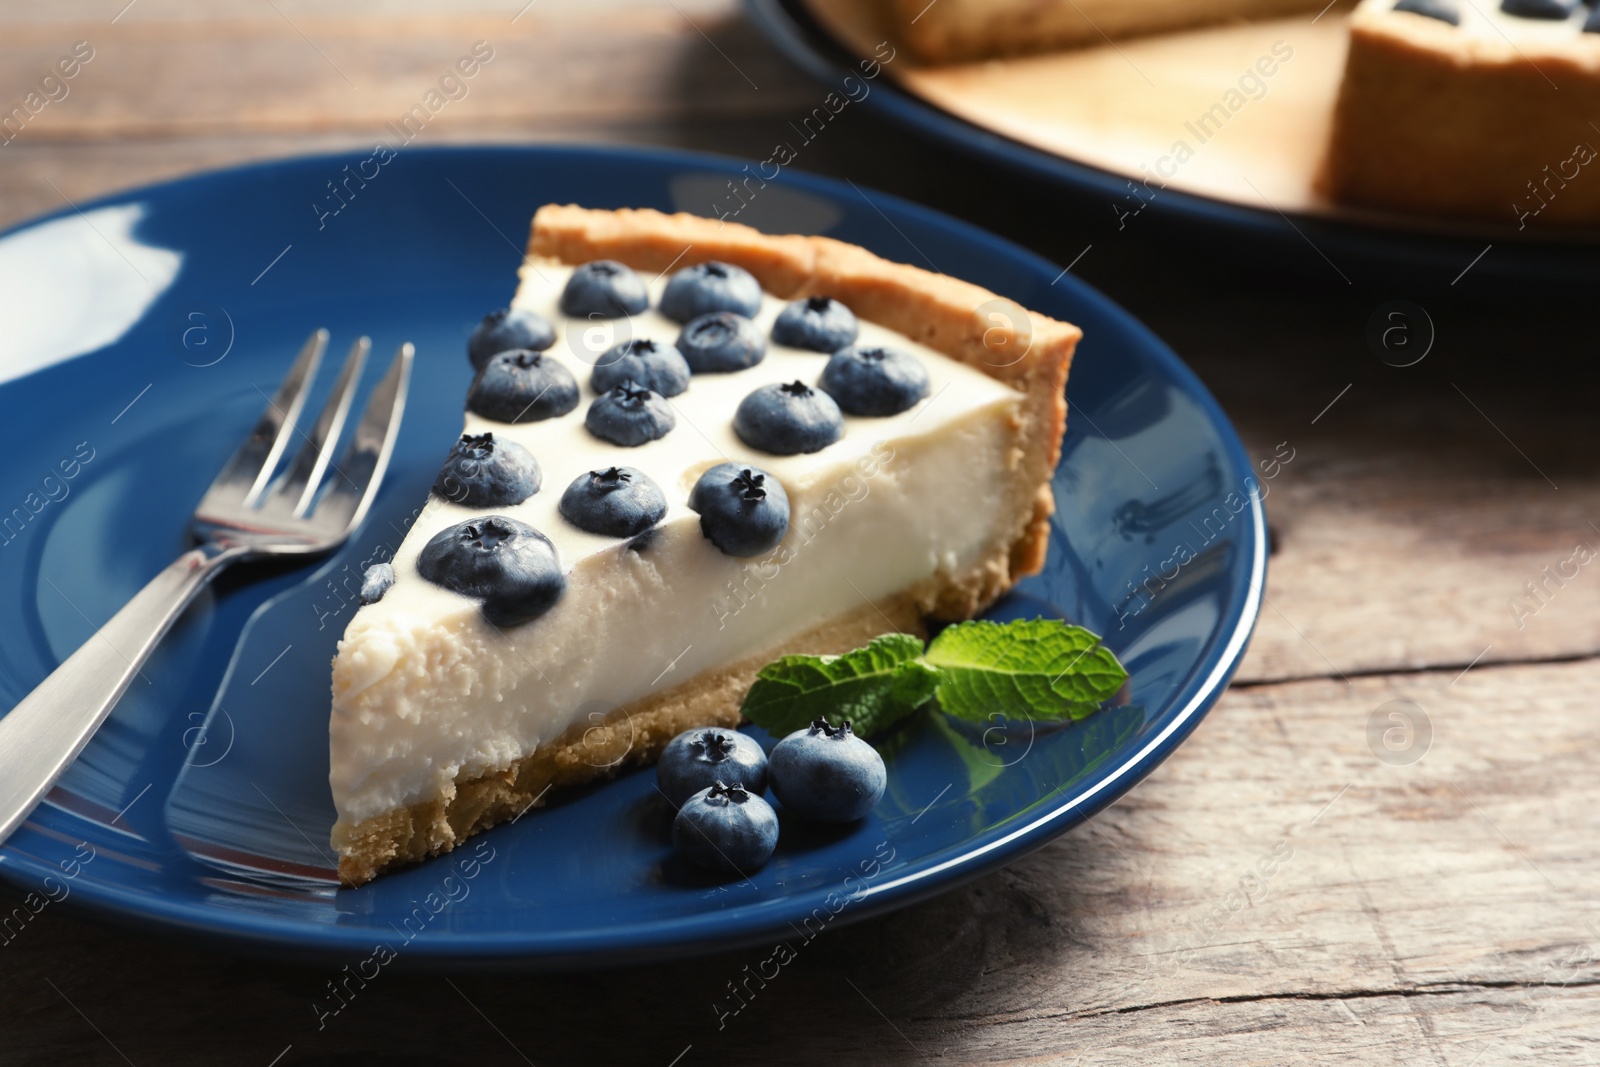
701,448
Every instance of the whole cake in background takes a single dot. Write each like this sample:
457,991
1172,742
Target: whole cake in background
1470,110
1467,109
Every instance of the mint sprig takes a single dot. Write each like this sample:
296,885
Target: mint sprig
874,687
1043,668
1040,669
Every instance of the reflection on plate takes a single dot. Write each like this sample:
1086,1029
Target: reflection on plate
202,807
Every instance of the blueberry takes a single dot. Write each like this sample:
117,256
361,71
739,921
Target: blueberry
650,363
522,386
481,472
508,328
743,511
788,419
726,829
1538,9
708,287
617,502
874,381
720,342
376,582
507,564
827,773
699,758
1443,10
819,323
603,289
630,415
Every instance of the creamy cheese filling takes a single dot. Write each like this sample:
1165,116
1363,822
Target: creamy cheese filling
425,689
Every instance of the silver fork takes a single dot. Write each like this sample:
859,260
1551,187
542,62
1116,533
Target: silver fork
246,514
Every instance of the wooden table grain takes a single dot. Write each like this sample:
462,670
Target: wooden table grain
1285,889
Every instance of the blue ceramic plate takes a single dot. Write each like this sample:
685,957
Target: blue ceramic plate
141,331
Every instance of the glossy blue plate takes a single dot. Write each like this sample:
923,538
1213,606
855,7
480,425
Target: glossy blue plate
141,332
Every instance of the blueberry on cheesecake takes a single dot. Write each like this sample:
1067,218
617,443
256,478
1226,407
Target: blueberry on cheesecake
788,418
875,381
615,502
506,564
630,415
642,361
818,323
508,328
721,342
481,472
707,287
743,511
603,289
522,386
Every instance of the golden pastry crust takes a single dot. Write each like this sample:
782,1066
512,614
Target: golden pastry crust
1431,121
955,31
1030,352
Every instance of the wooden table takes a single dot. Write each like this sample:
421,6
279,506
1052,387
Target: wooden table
1285,889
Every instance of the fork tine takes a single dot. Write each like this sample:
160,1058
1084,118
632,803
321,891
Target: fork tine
245,475
300,484
345,503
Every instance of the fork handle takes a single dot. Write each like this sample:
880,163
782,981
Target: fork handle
43,734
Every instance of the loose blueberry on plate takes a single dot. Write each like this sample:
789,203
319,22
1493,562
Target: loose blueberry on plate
707,287
616,502
827,773
697,759
788,419
720,342
743,511
508,328
377,581
482,472
522,386
818,323
603,289
630,415
507,564
874,380
649,363
726,829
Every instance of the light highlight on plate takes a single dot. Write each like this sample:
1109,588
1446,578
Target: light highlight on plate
76,284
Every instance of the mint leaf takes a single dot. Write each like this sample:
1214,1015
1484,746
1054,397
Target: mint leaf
873,687
1032,668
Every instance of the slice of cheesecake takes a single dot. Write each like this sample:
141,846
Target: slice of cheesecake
457,705
1481,110
954,31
